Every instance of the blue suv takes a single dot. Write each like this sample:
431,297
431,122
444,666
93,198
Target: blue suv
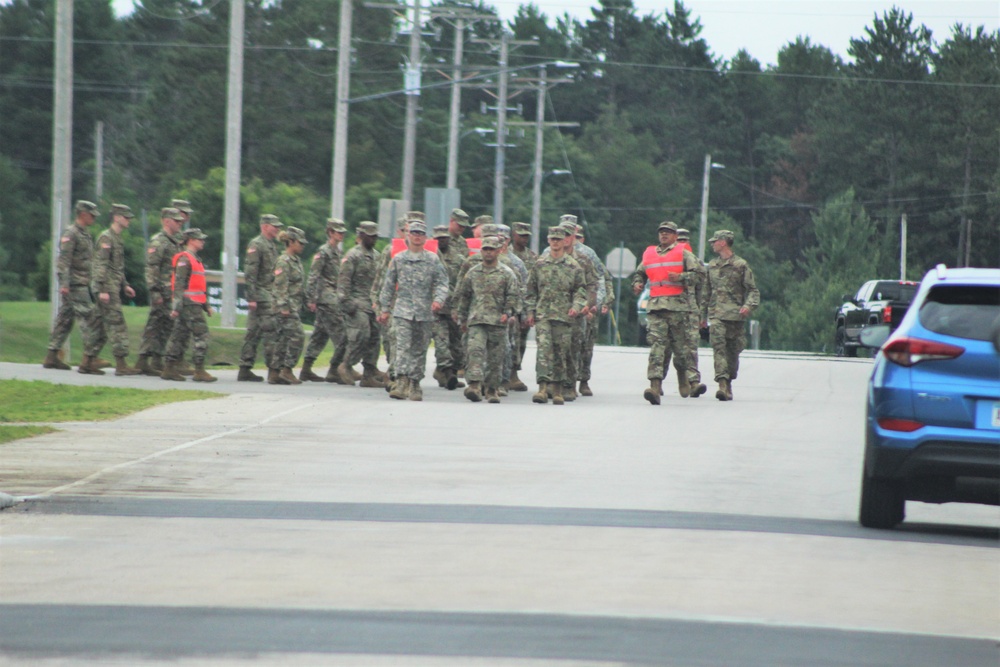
933,417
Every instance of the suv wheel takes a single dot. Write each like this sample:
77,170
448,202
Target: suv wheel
882,504
840,347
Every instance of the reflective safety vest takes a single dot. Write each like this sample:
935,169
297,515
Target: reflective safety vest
475,245
685,245
657,267
197,286
399,245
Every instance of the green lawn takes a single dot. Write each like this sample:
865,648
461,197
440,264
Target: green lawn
8,433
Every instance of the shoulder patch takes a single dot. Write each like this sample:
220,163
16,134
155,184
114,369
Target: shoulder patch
251,250
315,257
150,251
105,245
64,239
182,262
277,272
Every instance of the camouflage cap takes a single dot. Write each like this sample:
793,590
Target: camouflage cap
683,234
416,215
570,227
557,232
84,206
441,232
460,215
522,228
490,229
269,219
182,205
482,220
667,225
402,221
194,233
171,213
503,232
491,242
335,225
418,227
368,228
567,217
722,234
294,234
122,210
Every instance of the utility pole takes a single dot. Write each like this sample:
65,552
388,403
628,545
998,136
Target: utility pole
338,185
412,85
99,160
902,248
62,140
704,207
234,135
456,104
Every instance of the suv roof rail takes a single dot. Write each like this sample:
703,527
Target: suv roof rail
940,270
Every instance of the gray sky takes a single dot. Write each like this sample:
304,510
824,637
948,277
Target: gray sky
762,27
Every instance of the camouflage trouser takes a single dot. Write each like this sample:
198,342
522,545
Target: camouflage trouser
290,339
389,343
113,326
77,305
508,351
412,339
693,374
554,340
728,339
669,330
190,324
329,325
362,338
260,329
522,343
589,341
157,331
575,367
486,345
447,343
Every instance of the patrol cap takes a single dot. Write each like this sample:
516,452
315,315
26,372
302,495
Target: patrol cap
194,233
368,228
570,227
460,216
269,219
489,229
122,210
557,232
294,234
723,234
84,206
567,217
335,225
522,228
667,225
172,213
417,226
402,221
416,215
491,242
182,205
483,220
441,232
683,234
504,231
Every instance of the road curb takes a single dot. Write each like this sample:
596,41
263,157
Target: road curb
7,500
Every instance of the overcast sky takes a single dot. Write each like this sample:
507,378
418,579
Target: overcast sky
763,27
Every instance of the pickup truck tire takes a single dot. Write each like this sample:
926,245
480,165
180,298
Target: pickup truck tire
882,503
840,344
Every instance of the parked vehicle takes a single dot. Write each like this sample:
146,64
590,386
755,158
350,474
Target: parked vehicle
876,302
933,415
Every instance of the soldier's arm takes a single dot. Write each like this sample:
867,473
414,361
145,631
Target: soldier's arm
386,288
67,246
752,295
344,281
282,302
102,266
182,275
440,283
463,297
314,283
580,292
251,267
638,279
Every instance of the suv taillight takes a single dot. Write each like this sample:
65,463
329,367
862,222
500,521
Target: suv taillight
911,351
887,314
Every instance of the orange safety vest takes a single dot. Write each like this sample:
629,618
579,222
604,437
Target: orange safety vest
657,267
197,289
399,245
475,245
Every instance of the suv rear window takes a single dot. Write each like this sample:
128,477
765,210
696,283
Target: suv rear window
964,311
895,292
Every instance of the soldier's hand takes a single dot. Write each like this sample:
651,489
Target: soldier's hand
208,310
604,310
382,318
174,314
637,289
436,307
573,312
312,307
530,321
286,313
64,291
252,305
465,328
744,312
590,314
129,292
157,300
503,319
104,297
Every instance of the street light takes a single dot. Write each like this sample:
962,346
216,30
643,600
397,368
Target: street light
709,166
536,203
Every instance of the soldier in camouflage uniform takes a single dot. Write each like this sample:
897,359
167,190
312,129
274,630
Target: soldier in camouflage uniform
447,335
418,282
606,299
354,287
388,333
458,222
188,308
184,206
669,316
521,239
288,292
690,384
321,299
76,252
595,292
556,297
258,276
109,283
487,299
159,268
514,323
732,296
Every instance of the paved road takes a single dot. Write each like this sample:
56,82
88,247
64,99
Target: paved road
327,525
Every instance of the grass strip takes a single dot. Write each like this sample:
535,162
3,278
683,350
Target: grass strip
8,433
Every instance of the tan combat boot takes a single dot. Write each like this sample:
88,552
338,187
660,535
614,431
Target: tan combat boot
157,363
332,375
288,376
652,394
370,379
122,368
142,365
170,372
492,395
101,363
557,397
697,389
683,386
415,393
723,393
274,376
441,375
503,389
516,384
585,388
473,392
306,374
88,366
400,388
346,376
185,368
569,392
247,375
540,396
201,376
354,374
52,360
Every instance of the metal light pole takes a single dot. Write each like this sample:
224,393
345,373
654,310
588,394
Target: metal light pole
412,101
498,174
339,185
536,202
62,140
456,105
709,165
234,156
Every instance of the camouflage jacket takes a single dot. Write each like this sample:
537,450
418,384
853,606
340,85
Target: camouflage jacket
689,279
381,266
415,280
76,252
554,287
730,286
528,256
593,271
486,293
289,290
459,245
109,264
354,284
321,288
159,258
609,288
452,261
258,268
